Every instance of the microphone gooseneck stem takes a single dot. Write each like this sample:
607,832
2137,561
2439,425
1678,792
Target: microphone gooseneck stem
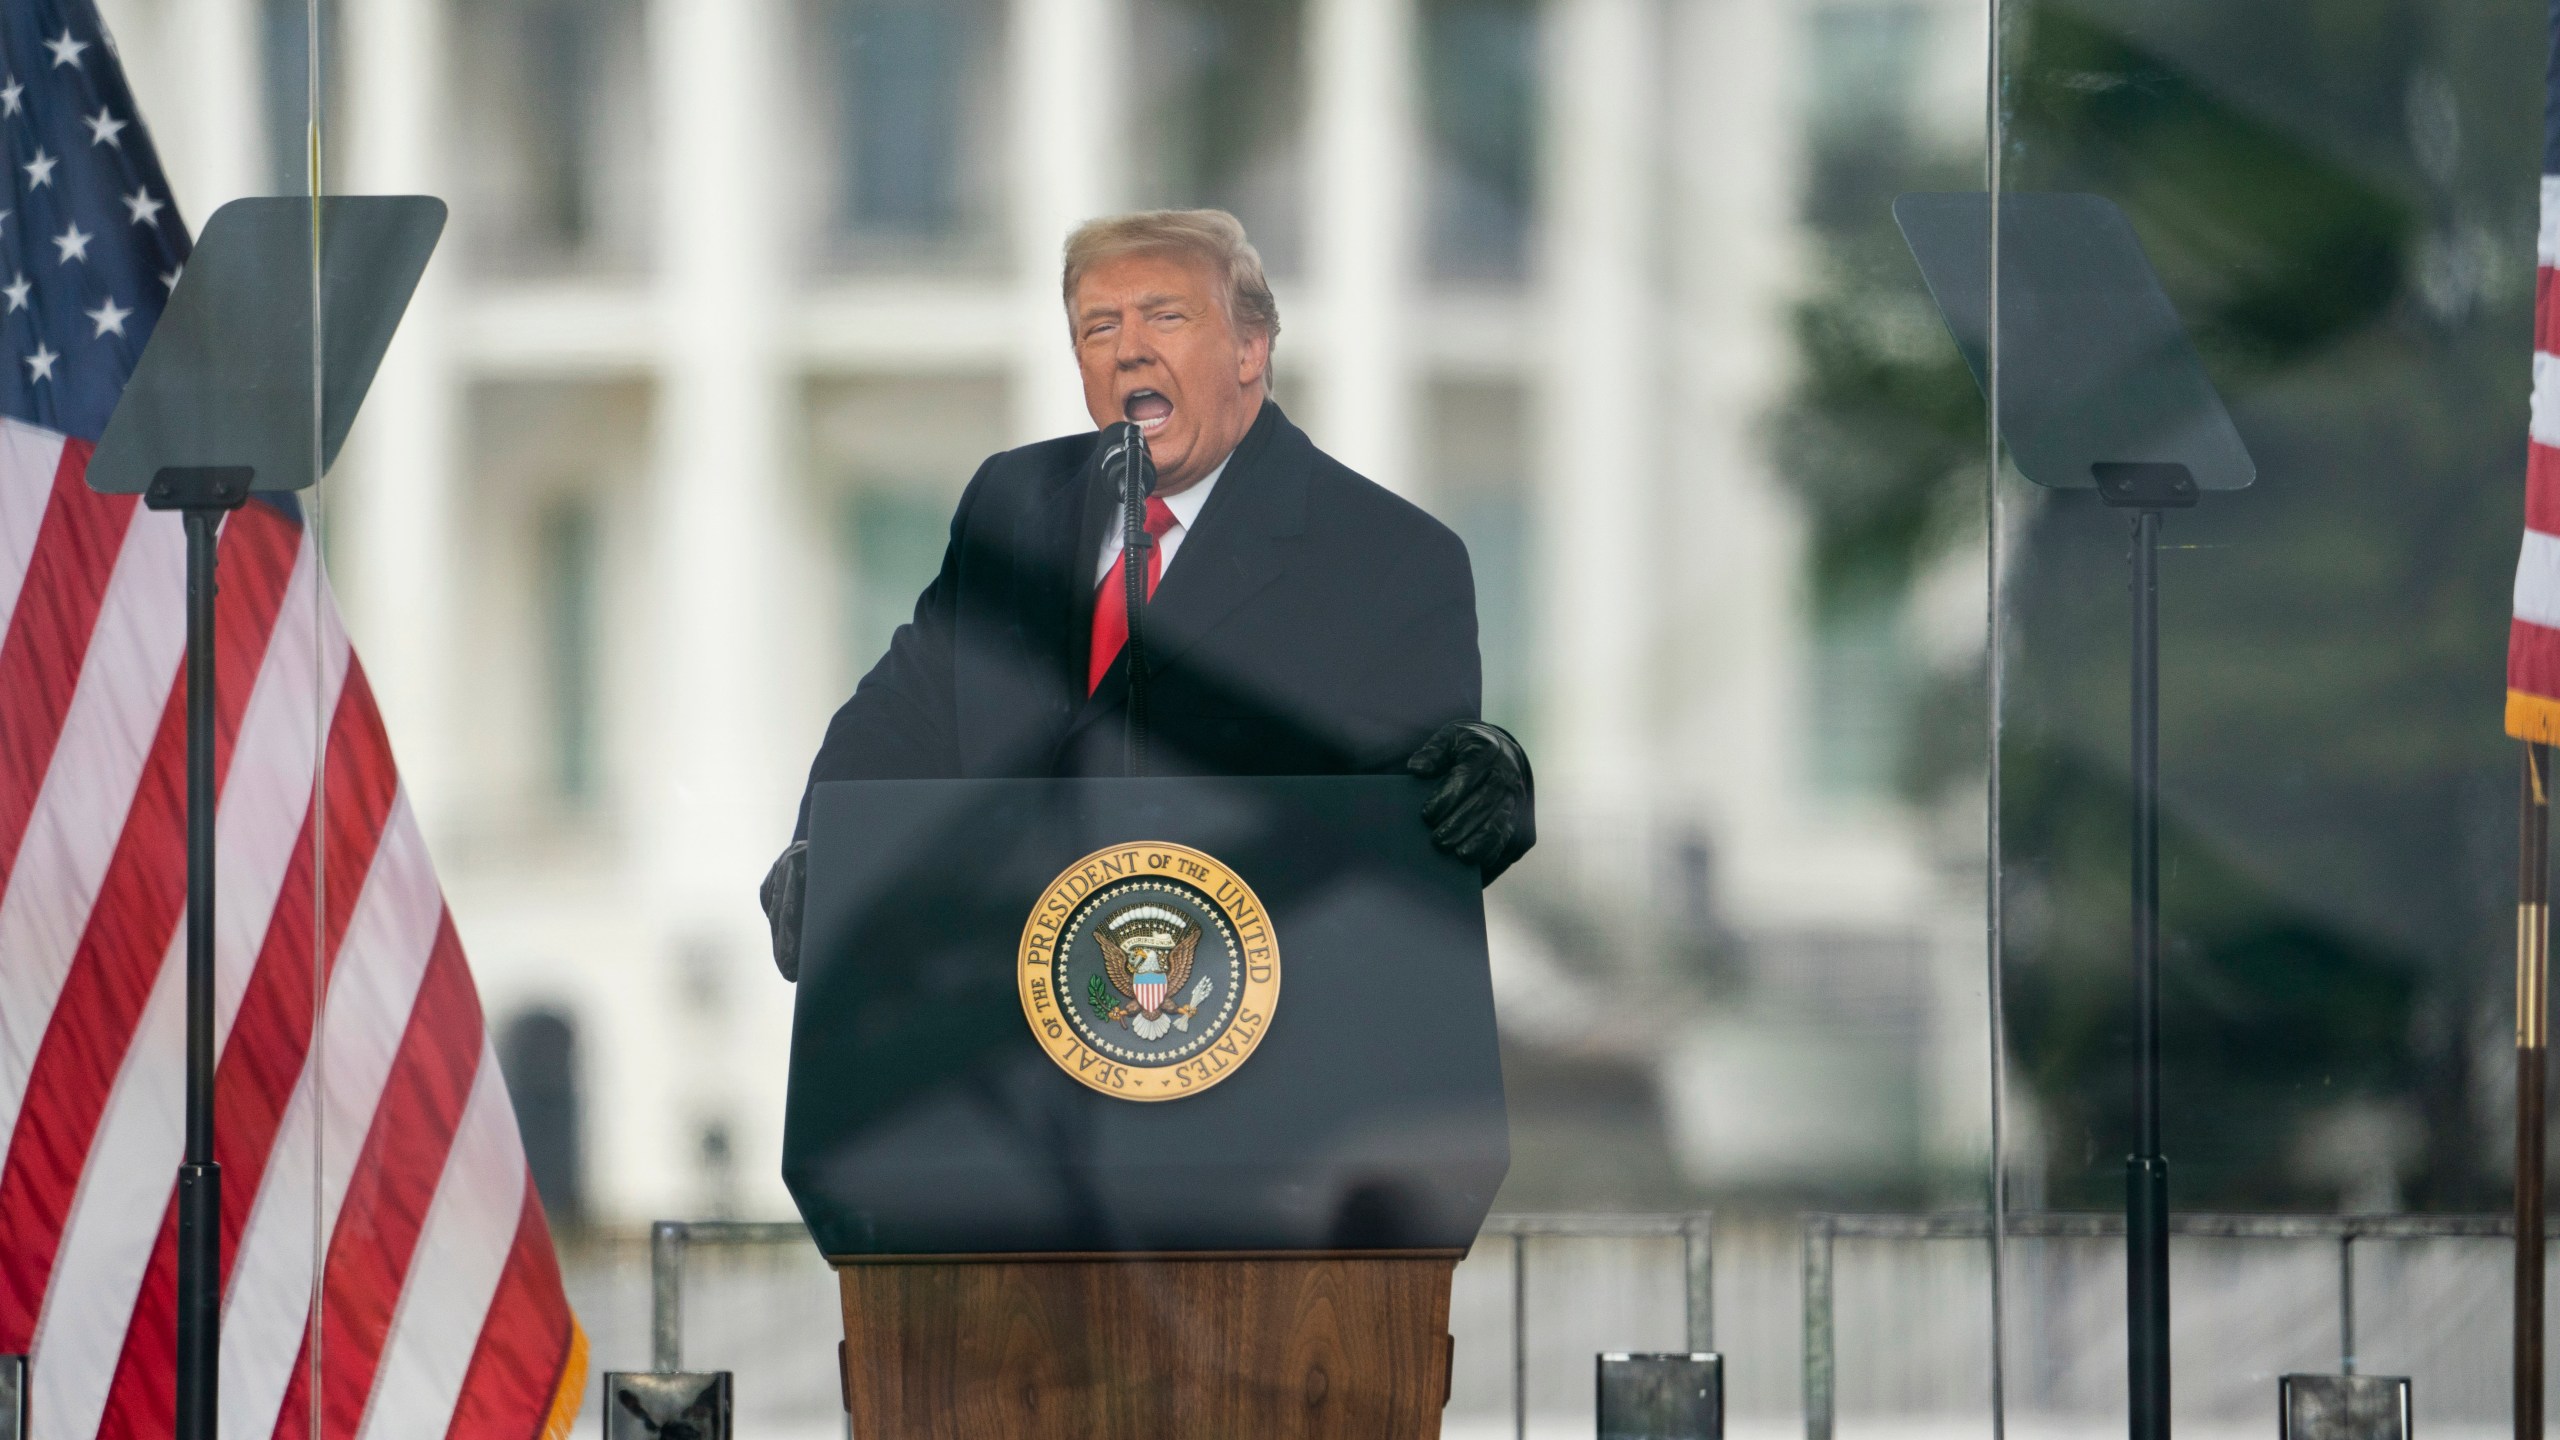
1134,540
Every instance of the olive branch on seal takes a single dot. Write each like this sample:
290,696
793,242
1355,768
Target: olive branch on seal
1094,991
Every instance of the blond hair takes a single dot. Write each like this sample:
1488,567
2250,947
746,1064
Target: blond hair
1212,237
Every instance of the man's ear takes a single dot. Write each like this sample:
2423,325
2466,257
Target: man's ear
1253,362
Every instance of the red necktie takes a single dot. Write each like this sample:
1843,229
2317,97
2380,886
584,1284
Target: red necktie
1111,600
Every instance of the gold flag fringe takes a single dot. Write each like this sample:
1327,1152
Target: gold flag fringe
572,1394
2534,719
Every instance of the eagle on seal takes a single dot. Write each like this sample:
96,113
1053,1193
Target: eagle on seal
1147,955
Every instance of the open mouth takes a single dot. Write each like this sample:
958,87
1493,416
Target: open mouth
1149,409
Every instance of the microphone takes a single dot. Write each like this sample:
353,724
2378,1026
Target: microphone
1125,456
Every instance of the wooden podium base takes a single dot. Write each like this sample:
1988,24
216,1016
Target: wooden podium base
1133,1347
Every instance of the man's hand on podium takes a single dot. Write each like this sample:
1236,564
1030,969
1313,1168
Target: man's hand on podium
781,892
1481,811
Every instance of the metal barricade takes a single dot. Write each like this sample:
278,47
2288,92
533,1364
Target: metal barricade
1694,1230
669,1240
1821,1231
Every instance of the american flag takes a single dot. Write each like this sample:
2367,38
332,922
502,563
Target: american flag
2533,636
377,1211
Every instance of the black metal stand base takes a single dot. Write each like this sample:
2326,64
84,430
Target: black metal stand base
199,1297
2146,1215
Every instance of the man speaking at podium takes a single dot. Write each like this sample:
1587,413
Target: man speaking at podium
1300,620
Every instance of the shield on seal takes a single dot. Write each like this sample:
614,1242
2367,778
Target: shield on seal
1150,991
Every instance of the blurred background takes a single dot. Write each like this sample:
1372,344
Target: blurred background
737,293
736,298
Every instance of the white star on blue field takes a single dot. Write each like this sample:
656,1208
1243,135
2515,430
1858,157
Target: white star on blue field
90,241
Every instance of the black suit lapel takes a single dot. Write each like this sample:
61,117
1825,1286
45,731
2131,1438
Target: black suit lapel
1089,510
1245,538
1096,501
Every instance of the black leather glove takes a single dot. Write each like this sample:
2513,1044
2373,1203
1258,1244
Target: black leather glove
1483,811
781,893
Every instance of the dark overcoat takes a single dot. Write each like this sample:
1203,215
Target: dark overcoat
1311,623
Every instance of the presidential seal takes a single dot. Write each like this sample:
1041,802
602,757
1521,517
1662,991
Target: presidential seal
1148,971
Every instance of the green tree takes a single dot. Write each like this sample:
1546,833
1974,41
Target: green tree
2339,196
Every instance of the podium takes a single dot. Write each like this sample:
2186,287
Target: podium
1142,1107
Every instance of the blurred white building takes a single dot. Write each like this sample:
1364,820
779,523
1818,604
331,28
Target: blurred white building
738,292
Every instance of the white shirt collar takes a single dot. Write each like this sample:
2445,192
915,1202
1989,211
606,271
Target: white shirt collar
1185,505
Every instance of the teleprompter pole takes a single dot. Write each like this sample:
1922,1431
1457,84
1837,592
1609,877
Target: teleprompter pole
2533,1008
2146,489
200,496
2146,1200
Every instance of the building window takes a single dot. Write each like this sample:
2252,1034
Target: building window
1226,81
1862,75
562,50
1864,69
285,45
893,544
901,133
569,579
907,87
551,114
538,1055
1859,690
1480,488
1480,97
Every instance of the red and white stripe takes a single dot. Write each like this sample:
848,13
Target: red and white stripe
375,1133
2533,636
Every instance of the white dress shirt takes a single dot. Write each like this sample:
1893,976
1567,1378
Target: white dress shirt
1185,507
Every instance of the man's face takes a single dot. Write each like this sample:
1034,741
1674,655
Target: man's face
1155,346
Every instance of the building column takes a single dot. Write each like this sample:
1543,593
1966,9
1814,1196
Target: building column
391,501
1363,119
712,802
1068,154
208,131
1600,403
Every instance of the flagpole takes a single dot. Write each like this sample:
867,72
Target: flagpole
2533,964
